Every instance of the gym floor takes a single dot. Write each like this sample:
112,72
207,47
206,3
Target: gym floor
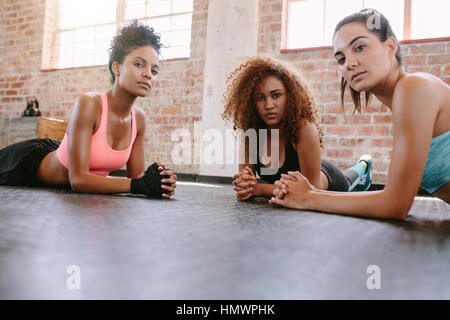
205,244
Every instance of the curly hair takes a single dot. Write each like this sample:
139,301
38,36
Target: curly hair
239,98
132,35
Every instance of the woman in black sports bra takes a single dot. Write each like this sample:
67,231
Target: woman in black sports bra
272,104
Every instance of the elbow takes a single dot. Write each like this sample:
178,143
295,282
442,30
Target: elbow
394,213
402,213
397,209
399,214
77,183
318,183
76,186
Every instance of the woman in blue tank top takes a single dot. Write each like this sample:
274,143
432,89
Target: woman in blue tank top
370,61
274,107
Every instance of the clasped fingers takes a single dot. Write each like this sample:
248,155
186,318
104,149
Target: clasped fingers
245,184
170,180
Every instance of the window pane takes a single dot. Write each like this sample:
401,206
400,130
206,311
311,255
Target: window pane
105,11
429,19
105,32
93,24
392,10
85,16
81,61
159,24
101,47
305,24
83,53
165,52
65,58
100,59
134,2
67,39
158,8
135,12
84,34
175,52
182,21
165,38
84,48
65,51
180,51
66,18
180,38
101,52
182,6
335,12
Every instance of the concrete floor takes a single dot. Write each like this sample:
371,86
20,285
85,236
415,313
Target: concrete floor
205,244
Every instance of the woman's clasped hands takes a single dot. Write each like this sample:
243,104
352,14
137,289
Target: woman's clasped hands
293,190
244,183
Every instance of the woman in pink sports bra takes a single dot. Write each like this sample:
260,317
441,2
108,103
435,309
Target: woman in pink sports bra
105,131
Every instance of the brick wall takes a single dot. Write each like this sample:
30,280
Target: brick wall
176,102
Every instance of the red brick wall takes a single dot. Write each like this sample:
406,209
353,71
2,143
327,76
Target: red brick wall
349,136
176,102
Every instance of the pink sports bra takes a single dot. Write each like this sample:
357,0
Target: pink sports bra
104,159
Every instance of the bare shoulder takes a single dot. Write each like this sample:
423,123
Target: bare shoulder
421,84
89,103
308,134
86,111
308,129
140,118
421,100
419,92
139,112
90,98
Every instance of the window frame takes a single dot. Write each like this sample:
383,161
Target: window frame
406,29
120,20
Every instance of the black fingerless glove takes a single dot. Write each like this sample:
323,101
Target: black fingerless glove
149,183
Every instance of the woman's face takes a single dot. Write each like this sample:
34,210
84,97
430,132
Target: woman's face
139,70
270,99
363,59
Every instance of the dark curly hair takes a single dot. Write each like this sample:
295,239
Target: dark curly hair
132,35
239,99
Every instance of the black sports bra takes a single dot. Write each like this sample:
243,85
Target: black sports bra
290,164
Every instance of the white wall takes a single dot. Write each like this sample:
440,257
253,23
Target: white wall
231,33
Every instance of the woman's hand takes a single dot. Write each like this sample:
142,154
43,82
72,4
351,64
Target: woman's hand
167,183
156,181
292,190
280,188
244,184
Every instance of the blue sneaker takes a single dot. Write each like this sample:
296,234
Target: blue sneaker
366,179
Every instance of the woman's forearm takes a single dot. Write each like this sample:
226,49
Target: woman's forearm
263,190
373,204
90,183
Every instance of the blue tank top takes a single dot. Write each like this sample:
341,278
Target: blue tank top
437,168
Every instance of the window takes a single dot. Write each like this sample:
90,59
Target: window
85,28
311,23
